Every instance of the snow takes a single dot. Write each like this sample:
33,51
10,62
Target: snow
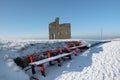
10,71
72,48
10,49
101,62
49,59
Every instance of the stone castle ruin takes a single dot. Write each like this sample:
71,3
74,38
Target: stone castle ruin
59,31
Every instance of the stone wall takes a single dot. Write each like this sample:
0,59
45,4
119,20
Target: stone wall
59,31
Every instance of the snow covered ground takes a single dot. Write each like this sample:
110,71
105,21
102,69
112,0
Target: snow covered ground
101,62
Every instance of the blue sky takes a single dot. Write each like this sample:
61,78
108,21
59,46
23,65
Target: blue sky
30,18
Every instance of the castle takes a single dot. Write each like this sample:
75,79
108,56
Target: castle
59,31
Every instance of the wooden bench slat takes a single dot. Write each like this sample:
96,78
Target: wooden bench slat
80,46
48,59
77,47
53,58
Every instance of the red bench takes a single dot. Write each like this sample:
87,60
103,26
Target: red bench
54,55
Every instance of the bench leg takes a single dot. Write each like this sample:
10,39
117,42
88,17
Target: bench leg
42,69
33,69
87,48
75,52
70,57
50,63
81,50
62,58
59,63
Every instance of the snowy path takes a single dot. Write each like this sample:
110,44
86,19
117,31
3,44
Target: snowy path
99,63
105,64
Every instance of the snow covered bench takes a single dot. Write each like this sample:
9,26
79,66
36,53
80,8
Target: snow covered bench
51,56
80,47
72,48
41,62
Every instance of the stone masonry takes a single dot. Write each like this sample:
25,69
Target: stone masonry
59,31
